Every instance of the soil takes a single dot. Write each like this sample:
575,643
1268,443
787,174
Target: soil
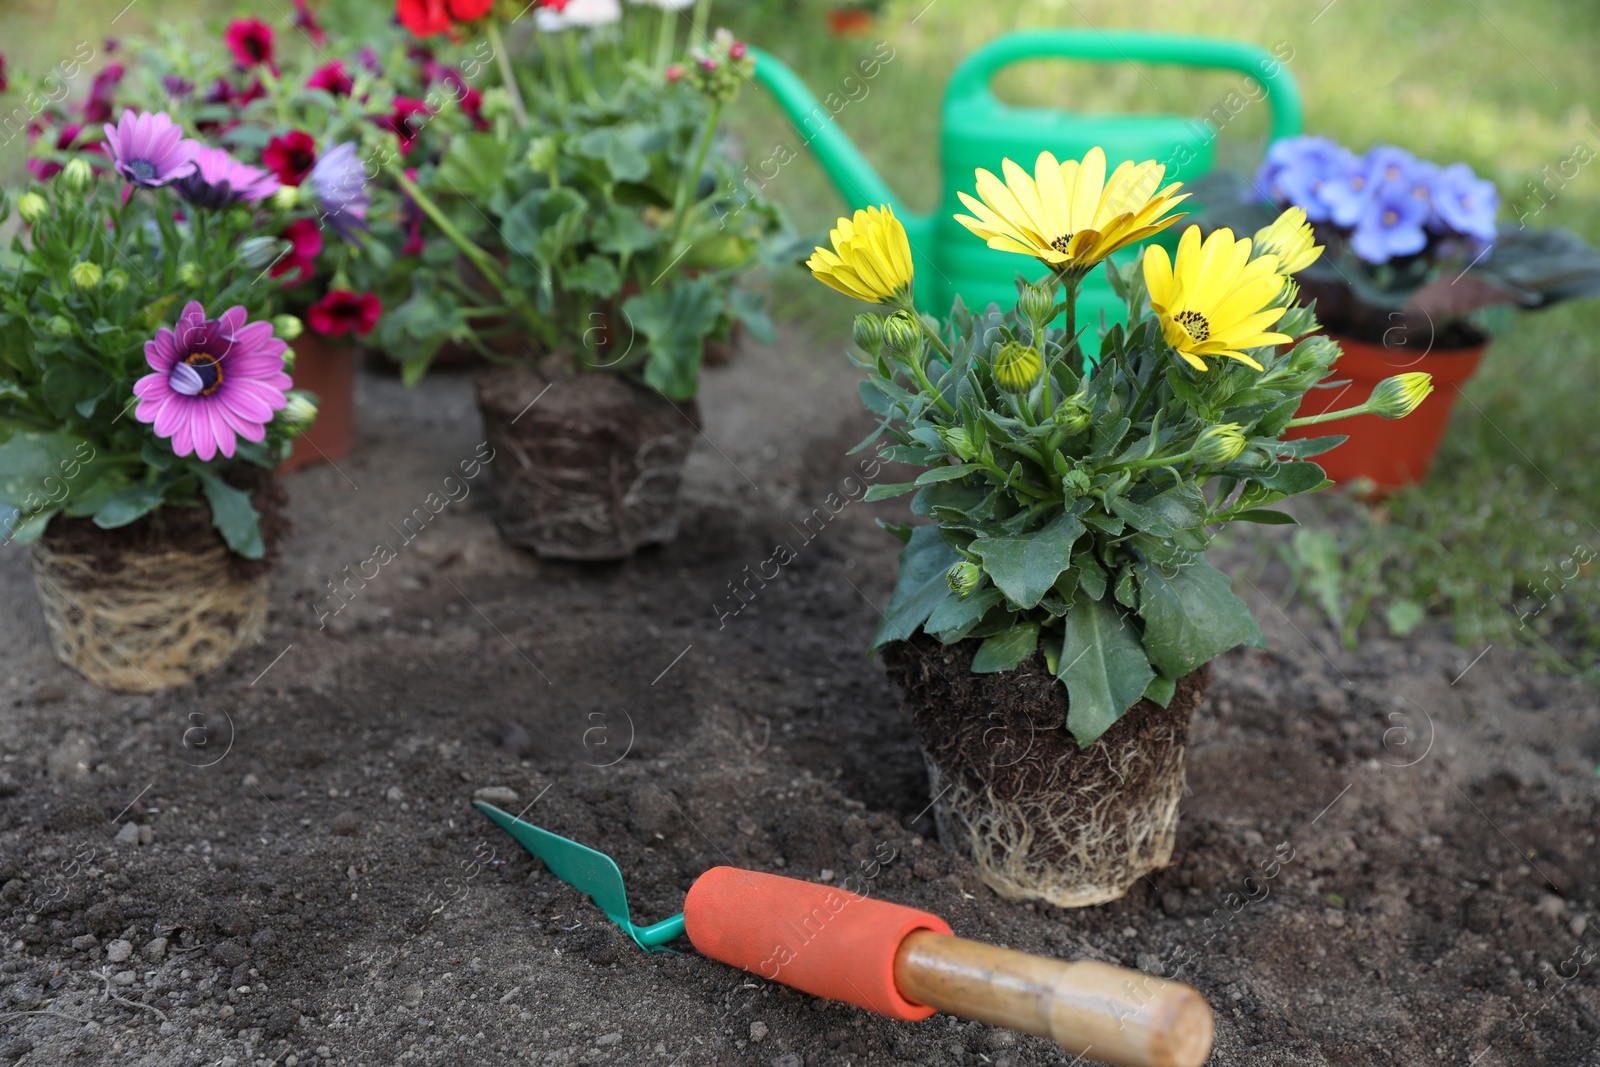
593,463
182,528
1387,855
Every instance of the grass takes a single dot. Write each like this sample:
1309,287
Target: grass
1513,499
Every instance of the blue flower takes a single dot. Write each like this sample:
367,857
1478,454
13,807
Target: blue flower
1390,223
1299,170
339,180
1465,203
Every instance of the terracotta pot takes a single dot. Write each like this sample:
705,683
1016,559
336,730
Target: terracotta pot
1039,817
850,22
1390,452
326,367
590,464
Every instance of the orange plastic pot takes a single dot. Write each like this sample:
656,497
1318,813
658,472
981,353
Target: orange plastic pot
1391,453
326,367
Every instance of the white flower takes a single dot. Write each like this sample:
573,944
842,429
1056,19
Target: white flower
665,5
589,14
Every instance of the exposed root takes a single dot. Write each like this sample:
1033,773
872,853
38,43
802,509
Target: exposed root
157,620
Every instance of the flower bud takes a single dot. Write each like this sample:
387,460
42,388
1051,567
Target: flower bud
902,334
543,153
1076,483
675,74
259,253
964,577
117,280
288,361
1036,302
959,442
60,326
287,327
86,275
300,411
32,207
1017,367
77,174
1072,416
189,275
286,197
1397,397
868,331
1219,444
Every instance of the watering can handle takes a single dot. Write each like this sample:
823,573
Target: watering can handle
971,80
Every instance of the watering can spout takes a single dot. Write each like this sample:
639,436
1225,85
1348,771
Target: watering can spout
846,167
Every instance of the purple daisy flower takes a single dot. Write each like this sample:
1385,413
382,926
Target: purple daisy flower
220,180
214,380
339,180
1465,203
1390,224
150,150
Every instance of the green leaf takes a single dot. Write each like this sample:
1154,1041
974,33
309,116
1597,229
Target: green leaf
1402,616
32,463
73,387
956,616
1290,478
1103,665
1160,690
623,231
947,473
621,148
234,516
1265,516
596,275
675,321
473,165
1179,508
1005,650
544,224
1190,616
888,492
919,586
127,504
30,529
1025,567
750,308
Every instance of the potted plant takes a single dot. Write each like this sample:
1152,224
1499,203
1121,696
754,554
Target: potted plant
1415,264
316,124
144,401
1052,622
605,233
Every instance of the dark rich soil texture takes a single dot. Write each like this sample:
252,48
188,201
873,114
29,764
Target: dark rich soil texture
1387,856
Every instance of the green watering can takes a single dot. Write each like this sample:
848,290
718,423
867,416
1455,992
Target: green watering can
980,131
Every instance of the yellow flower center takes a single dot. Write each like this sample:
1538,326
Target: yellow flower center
1060,243
1194,324
1390,218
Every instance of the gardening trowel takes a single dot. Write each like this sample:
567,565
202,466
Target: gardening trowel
895,960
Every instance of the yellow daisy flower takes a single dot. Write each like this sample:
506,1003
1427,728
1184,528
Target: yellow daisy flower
871,258
1070,215
1213,300
1291,240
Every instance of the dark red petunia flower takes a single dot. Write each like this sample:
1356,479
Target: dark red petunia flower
342,312
3,82
290,156
305,20
472,104
305,240
97,107
425,18
333,77
252,42
405,123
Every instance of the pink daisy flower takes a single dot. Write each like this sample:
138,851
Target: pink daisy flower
214,380
150,150
220,180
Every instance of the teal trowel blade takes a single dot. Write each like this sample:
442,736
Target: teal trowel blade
587,871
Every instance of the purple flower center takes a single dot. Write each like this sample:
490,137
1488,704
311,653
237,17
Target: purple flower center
143,170
197,375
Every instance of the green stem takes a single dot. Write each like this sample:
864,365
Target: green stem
928,387
507,73
689,178
666,37
1328,416
702,14
931,335
469,248
580,73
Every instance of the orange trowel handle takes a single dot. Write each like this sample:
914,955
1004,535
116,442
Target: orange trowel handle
906,964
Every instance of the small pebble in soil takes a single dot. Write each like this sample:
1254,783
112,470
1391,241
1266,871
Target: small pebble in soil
128,834
71,759
393,794
118,951
758,1031
498,795
613,1038
346,823
85,942
155,951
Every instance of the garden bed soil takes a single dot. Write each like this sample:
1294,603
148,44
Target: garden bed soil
1386,855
